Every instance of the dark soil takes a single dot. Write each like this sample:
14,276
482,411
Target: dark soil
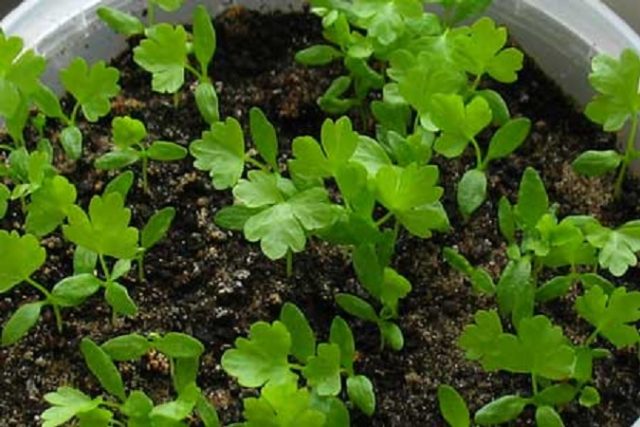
213,284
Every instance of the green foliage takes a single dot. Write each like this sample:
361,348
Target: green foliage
263,361
135,407
453,407
130,147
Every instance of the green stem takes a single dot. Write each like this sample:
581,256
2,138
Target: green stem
592,338
74,114
151,14
628,157
176,100
384,219
256,163
105,269
141,275
49,297
534,384
200,76
145,173
480,164
476,83
6,147
289,263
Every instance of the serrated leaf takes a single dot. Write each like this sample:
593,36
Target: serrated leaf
164,54
22,256
49,205
92,87
127,132
479,339
68,402
322,371
221,153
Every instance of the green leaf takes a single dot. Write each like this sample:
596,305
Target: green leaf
590,280
360,391
406,192
341,335
20,322
506,220
453,407
127,347
357,307
173,412
185,373
394,288
118,298
127,132
264,136
207,413
320,54
49,205
208,102
282,405
166,151
597,163
101,366
508,138
556,395
120,22
67,403
391,335
117,159
613,316
502,410
204,37
303,340
472,191
499,107
106,230
371,155
589,397
479,339
73,291
234,217
21,257
457,261
95,418
137,405
617,247
120,184
322,371
546,416
481,51
92,87
533,201
177,345
262,358
515,280
164,54
5,194
168,5
71,140
84,261
339,143
221,153
48,102
385,21
157,227
554,288
616,81
458,122
20,73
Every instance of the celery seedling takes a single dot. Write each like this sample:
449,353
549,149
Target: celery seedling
617,103
130,146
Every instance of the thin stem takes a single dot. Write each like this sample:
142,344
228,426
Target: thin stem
476,83
105,269
592,338
49,297
141,276
74,114
628,156
384,219
480,164
200,76
176,100
296,366
6,147
256,163
289,263
534,384
145,173
151,14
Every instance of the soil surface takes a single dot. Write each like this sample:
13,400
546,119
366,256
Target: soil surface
213,284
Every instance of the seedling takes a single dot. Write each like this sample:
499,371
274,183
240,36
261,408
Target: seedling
264,360
153,232
130,146
134,408
617,104
165,54
128,24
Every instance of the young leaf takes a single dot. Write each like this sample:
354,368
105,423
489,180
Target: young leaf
103,368
91,87
453,407
506,220
207,102
502,410
71,141
221,153
394,288
341,335
533,201
360,391
556,395
264,137
49,205
499,107
207,413
546,416
617,247
508,138
5,194
164,54
120,22
616,81
74,290
177,345
303,340
67,403
554,288
459,123
589,397
323,370
597,163
234,217
318,55
106,230
117,159
118,298
481,51
21,257
472,191
157,227
391,335
262,358
20,322
120,269
120,184
204,37
357,307
613,316
479,339
513,283
127,347
137,405
168,5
